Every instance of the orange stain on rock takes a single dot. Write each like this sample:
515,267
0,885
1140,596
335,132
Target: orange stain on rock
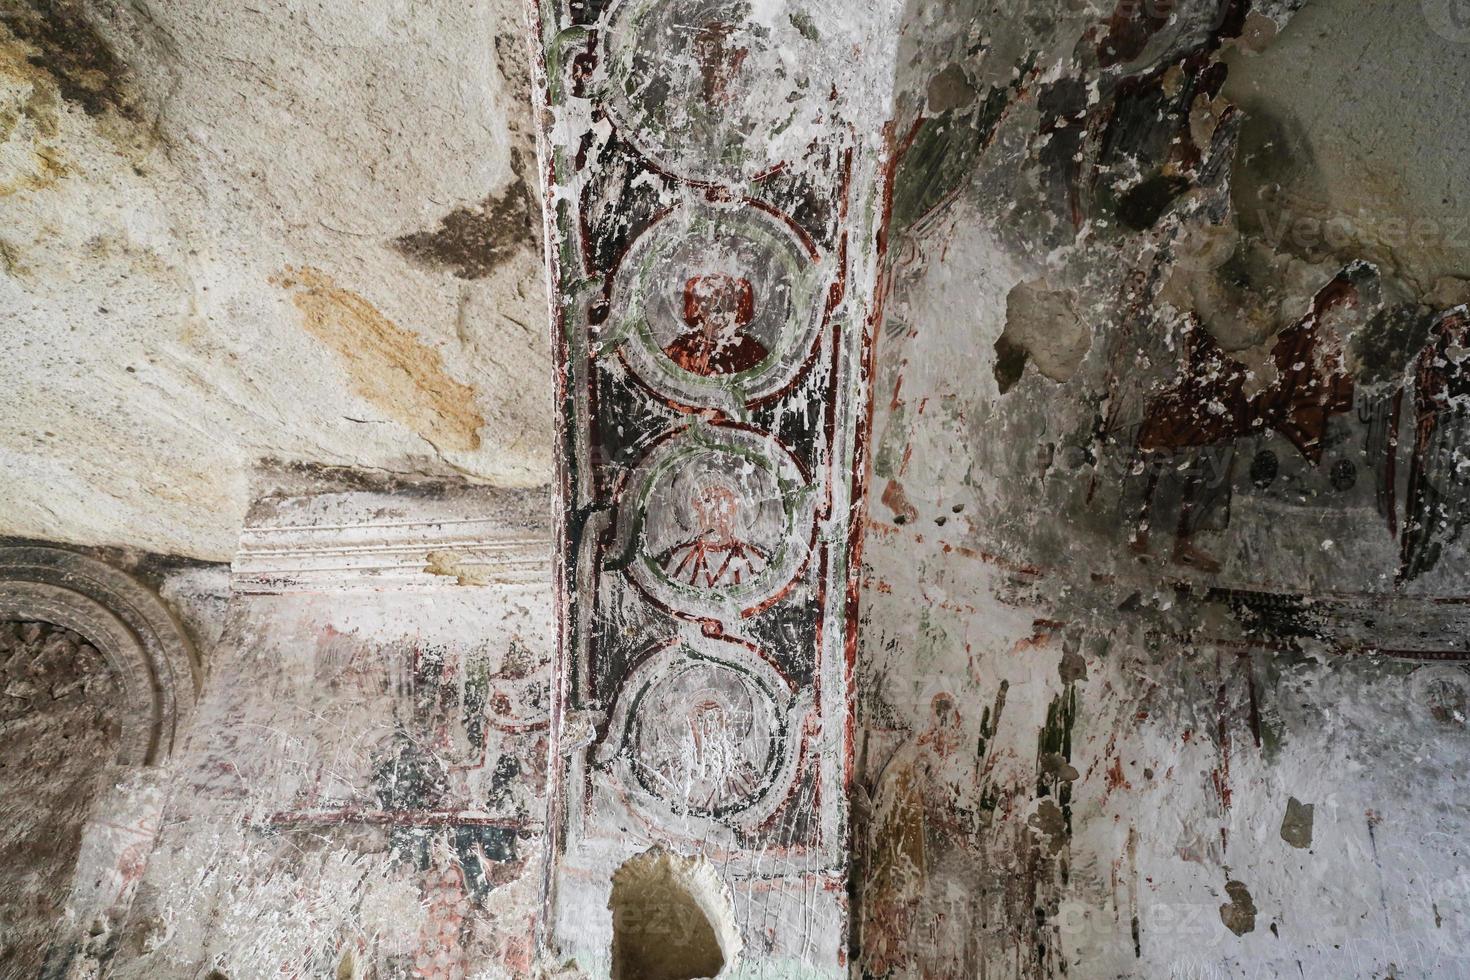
389,365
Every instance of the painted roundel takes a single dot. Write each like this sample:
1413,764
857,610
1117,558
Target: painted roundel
717,307
708,90
703,728
718,520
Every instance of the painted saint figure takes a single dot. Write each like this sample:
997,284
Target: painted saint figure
716,763
719,63
1438,505
922,855
717,309
704,737
1207,409
715,556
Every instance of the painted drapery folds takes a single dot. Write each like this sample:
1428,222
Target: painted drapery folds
713,213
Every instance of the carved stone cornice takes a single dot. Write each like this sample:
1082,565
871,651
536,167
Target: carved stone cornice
362,540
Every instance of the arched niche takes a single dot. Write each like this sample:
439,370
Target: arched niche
672,920
95,675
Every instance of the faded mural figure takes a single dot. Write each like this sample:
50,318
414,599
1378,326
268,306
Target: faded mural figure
718,309
919,892
719,62
716,555
1207,410
1311,384
1438,505
1379,414
720,529
713,751
701,737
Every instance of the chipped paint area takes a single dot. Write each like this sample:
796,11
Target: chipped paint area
58,717
408,845
455,565
363,792
1162,658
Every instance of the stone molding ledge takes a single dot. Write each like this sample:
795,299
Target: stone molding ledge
373,541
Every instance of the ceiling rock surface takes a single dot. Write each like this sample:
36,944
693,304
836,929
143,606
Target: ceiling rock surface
299,232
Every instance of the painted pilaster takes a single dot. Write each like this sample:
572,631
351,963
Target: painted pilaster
714,195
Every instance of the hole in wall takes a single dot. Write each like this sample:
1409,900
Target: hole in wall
671,918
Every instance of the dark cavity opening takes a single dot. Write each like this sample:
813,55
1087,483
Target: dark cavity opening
662,907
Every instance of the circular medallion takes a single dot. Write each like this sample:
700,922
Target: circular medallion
719,520
710,91
702,727
717,307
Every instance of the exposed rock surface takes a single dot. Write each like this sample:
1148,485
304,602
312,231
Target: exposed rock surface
290,231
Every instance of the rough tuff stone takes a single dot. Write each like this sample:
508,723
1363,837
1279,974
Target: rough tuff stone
160,166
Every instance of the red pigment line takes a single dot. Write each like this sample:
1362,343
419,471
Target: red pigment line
396,818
